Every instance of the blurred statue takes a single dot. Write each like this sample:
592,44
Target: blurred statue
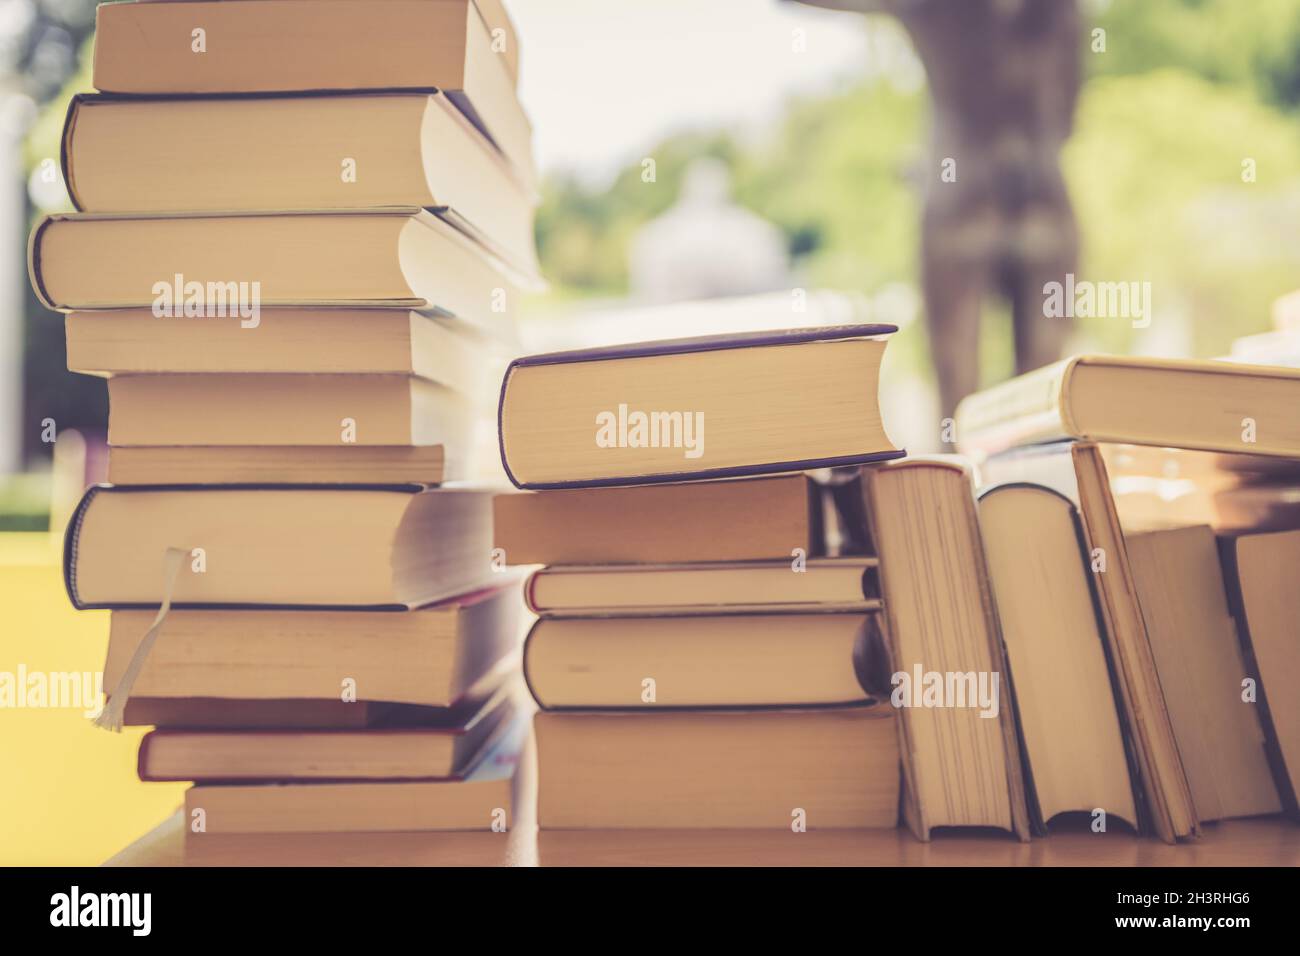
705,246
1003,78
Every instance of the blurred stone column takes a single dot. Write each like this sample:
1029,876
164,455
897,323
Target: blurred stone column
16,114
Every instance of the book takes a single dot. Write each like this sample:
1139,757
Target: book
1181,403
282,464
227,714
1259,571
202,267
274,46
345,547
407,806
324,341
1078,471
816,585
724,660
286,409
439,656
313,153
358,848
1073,739
505,39
709,407
960,750
436,752
827,768
753,519
1198,659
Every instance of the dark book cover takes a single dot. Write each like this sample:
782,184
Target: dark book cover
1237,607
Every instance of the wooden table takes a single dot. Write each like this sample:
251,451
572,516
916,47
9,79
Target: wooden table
1267,842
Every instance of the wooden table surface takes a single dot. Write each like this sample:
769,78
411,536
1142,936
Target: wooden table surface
1266,842
1259,842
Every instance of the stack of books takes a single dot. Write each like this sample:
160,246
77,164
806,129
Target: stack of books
298,298
1152,648
716,630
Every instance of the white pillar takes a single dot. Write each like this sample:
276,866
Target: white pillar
16,115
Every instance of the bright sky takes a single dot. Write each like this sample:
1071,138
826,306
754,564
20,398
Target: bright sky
603,80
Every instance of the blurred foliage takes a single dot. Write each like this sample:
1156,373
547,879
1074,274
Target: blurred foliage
1247,42
1155,173
1183,93
25,502
833,185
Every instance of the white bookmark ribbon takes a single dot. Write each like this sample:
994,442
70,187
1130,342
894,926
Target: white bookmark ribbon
111,717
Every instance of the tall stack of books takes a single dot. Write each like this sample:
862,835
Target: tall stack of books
717,631
1153,649
298,298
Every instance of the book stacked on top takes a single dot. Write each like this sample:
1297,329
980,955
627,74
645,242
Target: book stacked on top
701,656
298,299
1173,648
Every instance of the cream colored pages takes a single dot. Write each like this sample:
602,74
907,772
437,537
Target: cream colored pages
1057,653
258,547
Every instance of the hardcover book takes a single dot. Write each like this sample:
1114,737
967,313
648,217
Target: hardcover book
710,407
1179,403
361,547
753,519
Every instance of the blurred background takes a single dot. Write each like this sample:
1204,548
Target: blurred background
715,165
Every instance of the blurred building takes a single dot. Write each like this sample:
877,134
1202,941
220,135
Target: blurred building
706,246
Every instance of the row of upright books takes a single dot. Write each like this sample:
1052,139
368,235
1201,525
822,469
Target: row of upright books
302,227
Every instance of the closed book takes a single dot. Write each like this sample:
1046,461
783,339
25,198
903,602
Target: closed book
493,12
1178,403
948,666
1078,471
438,656
720,660
210,267
828,768
406,807
1198,658
798,585
1259,570
320,341
283,464
711,407
742,520
190,713
346,547
442,751
286,409
1056,652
